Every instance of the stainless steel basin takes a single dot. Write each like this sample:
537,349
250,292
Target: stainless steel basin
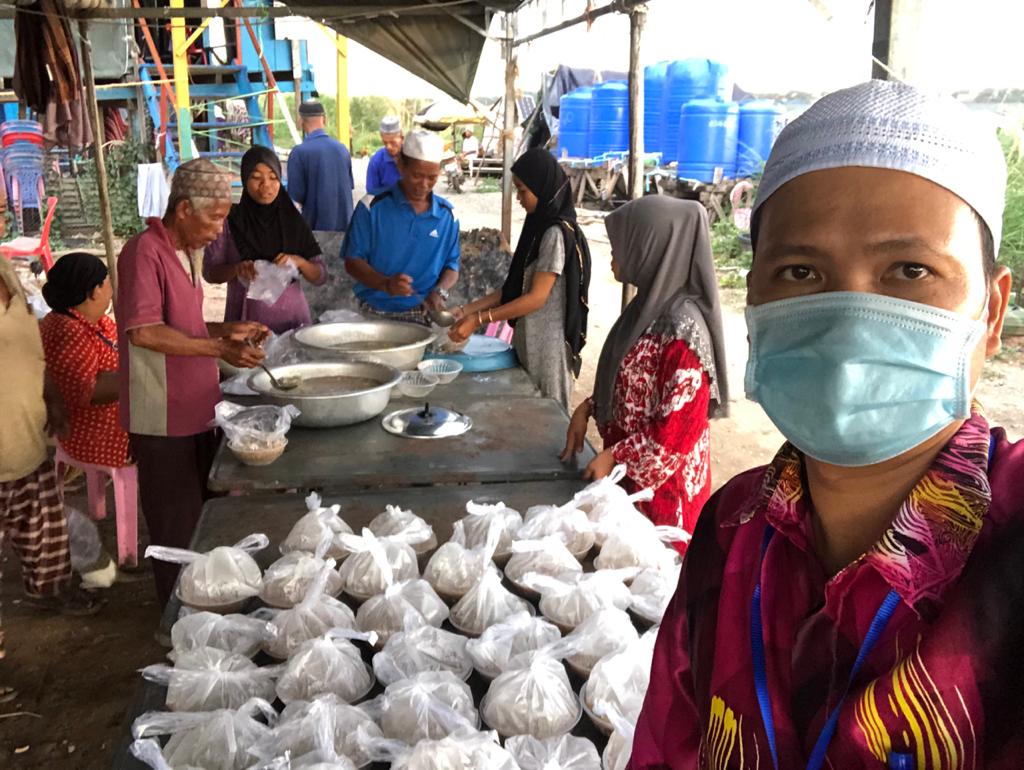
331,410
396,344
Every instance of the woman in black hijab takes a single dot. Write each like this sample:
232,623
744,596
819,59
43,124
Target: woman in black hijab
264,226
545,294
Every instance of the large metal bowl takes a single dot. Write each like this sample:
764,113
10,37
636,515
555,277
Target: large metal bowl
396,344
329,411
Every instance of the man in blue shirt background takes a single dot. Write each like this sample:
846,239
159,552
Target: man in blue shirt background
403,247
320,173
382,173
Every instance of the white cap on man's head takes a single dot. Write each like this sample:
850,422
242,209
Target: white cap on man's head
891,125
424,145
390,124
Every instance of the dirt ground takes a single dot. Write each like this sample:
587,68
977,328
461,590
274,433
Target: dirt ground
76,676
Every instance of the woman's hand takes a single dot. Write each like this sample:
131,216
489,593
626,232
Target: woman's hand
246,271
463,330
283,259
459,312
600,466
576,435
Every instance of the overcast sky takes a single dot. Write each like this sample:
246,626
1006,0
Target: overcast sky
771,46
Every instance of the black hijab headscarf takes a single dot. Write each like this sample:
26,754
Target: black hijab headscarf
540,172
72,279
264,231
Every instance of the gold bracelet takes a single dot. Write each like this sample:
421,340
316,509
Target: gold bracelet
490,316
479,317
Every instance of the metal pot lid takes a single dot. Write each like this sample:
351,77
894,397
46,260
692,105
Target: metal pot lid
427,422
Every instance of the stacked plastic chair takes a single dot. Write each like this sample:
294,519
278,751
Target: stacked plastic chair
24,158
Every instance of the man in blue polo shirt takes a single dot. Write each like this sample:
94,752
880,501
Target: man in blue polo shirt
382,173
403,247
320,174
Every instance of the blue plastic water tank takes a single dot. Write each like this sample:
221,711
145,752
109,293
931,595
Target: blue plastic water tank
758,120
609,119
708,134
655,76
574,122
687,79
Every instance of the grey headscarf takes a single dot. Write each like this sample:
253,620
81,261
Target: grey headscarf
662,247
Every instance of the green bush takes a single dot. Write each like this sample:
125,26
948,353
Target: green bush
1011,251
122,161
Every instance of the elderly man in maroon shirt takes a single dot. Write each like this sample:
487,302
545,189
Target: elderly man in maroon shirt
169,375
857,603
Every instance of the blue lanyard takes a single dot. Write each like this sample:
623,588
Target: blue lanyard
878,625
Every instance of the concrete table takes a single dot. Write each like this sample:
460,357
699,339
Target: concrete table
512,440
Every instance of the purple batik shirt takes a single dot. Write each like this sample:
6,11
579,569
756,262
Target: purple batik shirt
291,310
943,687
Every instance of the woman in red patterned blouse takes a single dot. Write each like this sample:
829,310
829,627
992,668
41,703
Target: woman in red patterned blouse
662,369
80,343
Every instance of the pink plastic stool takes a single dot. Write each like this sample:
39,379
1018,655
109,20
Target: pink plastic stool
126,500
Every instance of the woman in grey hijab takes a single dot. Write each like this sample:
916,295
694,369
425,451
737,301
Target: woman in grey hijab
662,373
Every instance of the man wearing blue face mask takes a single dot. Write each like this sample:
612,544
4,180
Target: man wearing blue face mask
857,602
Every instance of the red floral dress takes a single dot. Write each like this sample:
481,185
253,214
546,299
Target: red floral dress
659,428
76,352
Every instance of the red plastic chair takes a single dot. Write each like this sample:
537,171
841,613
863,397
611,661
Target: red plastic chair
28,247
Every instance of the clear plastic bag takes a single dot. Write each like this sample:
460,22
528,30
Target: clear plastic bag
427,706
651,591
569,599
311,530
518,633
466,749
314,616
254,427
219,740
533,697
455,568
236,634
83,540
223,579
419,649
477,523
403,605
547,556
623,723
405,525
287,580
271,281
319,728
566,522
565,753
207,679
641,548
376,563
147,751
621,676
485,604
330,664
605,632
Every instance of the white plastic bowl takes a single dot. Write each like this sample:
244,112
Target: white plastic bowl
417,384
445,370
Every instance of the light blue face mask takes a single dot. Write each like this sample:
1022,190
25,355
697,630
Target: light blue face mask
853,379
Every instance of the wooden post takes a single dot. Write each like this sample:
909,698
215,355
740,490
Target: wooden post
297,79
106,218
182,100
881,40
508,130
635,178
342,109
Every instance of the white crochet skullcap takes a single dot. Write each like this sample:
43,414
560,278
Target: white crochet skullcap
424,145
891,125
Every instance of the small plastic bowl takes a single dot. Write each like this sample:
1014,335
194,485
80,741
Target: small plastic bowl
264,455
445,370
417,384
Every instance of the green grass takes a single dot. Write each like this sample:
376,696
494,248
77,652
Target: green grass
1011,251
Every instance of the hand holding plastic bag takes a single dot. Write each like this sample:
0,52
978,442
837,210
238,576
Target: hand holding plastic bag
223,578
271,281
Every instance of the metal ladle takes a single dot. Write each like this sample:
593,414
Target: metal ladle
440,317
288,383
